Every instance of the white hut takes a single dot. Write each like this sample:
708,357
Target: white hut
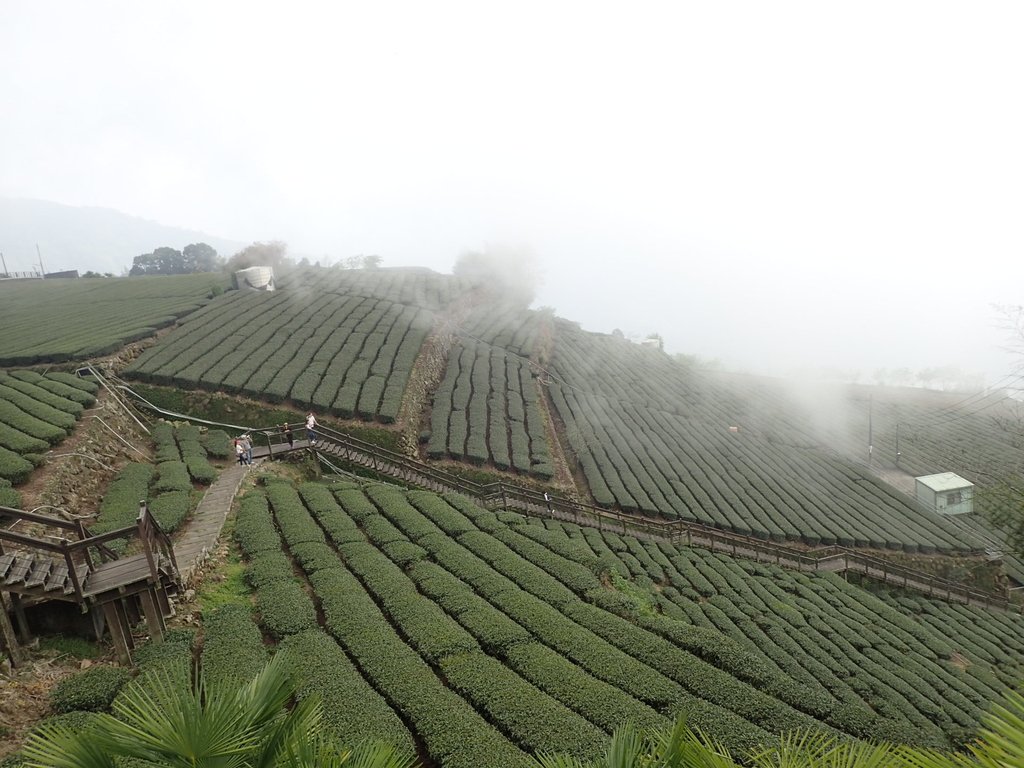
256,278
945,493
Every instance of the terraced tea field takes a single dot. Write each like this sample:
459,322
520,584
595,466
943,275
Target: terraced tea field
491,636
36,413
337,350
646,433
487,408
47,321
654,437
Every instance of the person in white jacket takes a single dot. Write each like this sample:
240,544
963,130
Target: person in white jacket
311,428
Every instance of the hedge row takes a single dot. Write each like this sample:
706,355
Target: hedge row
819,630
486,407
75,382
454,734
426,627
25,421
170,509
342,354
65,385
296,524
8,496
586,650
353,710
18,442
533,719
332,518
233,647
42,395
700,678
14,468
120,505
11,393
217,444
93,690
254,526
285,609
649,436
59,320
162,435
172,476
601,703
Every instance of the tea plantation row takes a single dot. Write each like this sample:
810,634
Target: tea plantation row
492,636
345,356
36,413
654,437
487,407
57,320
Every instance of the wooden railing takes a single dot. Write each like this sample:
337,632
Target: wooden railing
155,541
77,554
835,558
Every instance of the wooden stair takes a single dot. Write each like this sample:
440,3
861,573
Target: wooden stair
32,574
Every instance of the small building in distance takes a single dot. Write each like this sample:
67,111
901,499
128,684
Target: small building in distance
945,493
255,278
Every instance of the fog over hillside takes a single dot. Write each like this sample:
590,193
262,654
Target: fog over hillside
786,187
86,238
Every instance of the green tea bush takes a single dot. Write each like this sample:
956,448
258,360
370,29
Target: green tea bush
268,566
8,496
285,608
92,690
14,468
217,444
173,476
314,556
200,469
232,644
120,505
170,509
254,526
353,711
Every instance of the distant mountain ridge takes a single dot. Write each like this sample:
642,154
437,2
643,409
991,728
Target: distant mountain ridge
86,238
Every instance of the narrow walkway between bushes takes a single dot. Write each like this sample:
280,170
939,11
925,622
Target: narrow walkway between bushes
200,535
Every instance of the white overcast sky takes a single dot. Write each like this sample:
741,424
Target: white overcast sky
774,184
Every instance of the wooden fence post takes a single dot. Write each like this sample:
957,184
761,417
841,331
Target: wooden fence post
117,632
8,640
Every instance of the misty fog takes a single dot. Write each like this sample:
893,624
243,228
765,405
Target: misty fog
791,188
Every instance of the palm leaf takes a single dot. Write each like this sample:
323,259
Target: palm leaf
57,746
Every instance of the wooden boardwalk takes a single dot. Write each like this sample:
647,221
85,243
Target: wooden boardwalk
200,536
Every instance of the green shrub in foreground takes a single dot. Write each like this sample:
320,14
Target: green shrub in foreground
285,609
93,690
232,644
13,467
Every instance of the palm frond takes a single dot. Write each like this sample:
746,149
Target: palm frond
56,746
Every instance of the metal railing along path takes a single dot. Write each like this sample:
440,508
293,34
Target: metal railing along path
833,559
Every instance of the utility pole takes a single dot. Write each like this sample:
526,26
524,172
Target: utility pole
898,454
42,269
871,408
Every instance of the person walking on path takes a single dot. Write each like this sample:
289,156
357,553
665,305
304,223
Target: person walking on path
286,430
239,451
311,428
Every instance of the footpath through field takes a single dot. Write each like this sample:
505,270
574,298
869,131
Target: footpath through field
200,535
